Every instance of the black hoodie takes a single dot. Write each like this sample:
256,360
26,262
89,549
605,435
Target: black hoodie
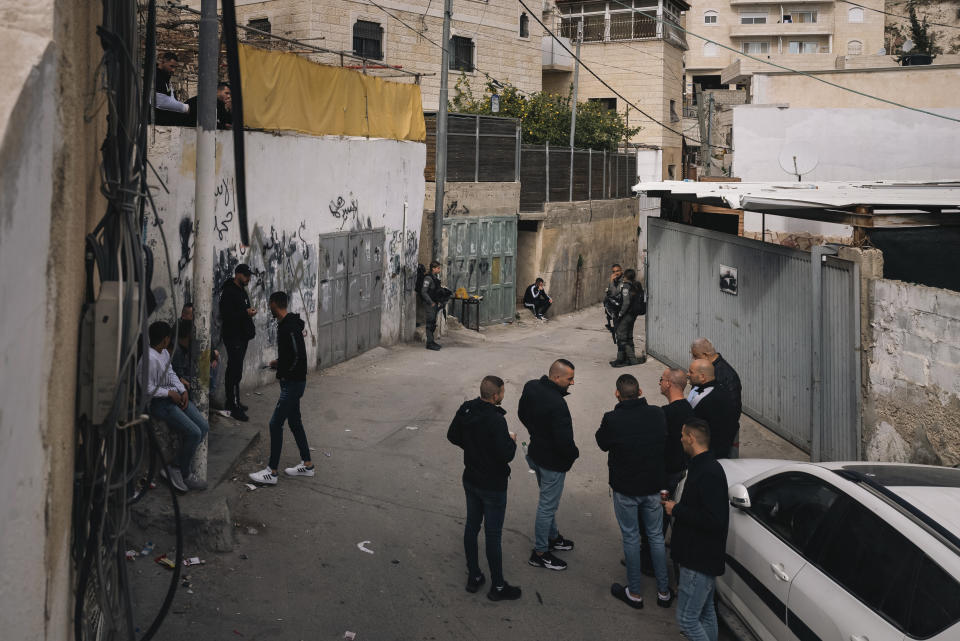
291,350
236,324
480,429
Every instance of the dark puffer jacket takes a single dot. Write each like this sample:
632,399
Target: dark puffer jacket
236,325
634,434
480,429
543,411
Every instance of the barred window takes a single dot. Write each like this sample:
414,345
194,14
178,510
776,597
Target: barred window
461,53
368,39
260,24
524,26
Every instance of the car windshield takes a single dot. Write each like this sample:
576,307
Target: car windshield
908,475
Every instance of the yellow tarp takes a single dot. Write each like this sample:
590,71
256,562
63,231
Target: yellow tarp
283,91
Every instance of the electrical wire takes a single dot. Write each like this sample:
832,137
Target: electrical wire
674,25
900,15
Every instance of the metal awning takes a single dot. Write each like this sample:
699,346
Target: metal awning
861,204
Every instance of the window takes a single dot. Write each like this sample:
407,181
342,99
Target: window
755,47
892,576
260,24
803,46
674,116
461,53
524,25
855,14
803,17
710,17
368,39
671,172
854,48
752,17
610,104
616,20
710,49
792,506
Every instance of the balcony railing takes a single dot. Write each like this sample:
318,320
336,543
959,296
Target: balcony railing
781,29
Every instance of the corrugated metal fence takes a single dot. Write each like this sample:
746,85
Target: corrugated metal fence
765,330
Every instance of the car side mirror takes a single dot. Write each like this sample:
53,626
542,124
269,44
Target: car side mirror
739,497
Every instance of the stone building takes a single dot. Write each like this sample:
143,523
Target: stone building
805,35
495,37
639,56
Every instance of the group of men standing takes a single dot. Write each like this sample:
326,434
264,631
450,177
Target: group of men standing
650,449
167,382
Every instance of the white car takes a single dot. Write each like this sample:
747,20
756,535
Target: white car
842,551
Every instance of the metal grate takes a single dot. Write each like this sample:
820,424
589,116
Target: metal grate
461,50
368,39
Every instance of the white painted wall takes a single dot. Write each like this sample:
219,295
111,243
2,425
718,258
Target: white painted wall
298,187
847,144
28,143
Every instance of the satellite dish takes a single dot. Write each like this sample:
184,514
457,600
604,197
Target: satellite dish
798,159
907,46
882,52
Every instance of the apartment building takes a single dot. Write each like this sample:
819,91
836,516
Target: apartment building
802,34
488,37
634,47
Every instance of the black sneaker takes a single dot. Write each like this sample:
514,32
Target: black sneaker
474,582
505,592
434,346
561,543
547,561
239,415
620,592
243,407
665,603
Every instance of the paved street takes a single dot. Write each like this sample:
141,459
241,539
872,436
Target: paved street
391,478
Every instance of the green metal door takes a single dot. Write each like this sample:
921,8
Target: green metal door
481,257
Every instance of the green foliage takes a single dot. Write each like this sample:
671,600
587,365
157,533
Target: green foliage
545,117
924,39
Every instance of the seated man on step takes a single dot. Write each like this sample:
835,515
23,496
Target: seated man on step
536,300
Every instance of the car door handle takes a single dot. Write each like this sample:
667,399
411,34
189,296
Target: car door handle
779,572
859,637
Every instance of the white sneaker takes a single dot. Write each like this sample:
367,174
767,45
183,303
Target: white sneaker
299,470
264,477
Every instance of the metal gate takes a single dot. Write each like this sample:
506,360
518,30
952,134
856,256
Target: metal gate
765,329
350,293
481,257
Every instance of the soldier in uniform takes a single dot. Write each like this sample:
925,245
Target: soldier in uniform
430,292
611,299
630,296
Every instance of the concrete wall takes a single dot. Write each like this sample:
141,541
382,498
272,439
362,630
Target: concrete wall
475,199
913,409
574,247
48,155
298,188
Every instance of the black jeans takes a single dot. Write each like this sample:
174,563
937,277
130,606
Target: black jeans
538,307
231,378
288,409
488,507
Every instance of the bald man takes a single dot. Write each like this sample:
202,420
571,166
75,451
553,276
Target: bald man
714,405
727,379
544,412
673,382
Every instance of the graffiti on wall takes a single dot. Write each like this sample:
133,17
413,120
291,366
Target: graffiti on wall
402,255
347,212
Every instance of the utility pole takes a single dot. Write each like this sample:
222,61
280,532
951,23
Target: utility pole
573,111
440,178
710,136
204,211
702,127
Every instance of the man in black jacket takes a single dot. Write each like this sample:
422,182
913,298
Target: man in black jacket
699,534
634,434
536,300
545,414
291,366
236,323
430,290
727,379
714,405
488,447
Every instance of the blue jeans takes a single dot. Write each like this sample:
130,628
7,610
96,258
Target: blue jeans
696,613
629,511
488,507
551,489
288,409
190,424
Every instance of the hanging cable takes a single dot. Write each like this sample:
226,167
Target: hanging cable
901,16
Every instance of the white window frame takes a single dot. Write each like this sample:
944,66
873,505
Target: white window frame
795,12
753,16
764,47
801,46
710,50
855,15
711,13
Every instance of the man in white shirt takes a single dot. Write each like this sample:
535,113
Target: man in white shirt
170,403
169,110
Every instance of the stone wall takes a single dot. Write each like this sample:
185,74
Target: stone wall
573,248
912,411
298,188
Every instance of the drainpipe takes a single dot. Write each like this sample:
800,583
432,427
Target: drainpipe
817,257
